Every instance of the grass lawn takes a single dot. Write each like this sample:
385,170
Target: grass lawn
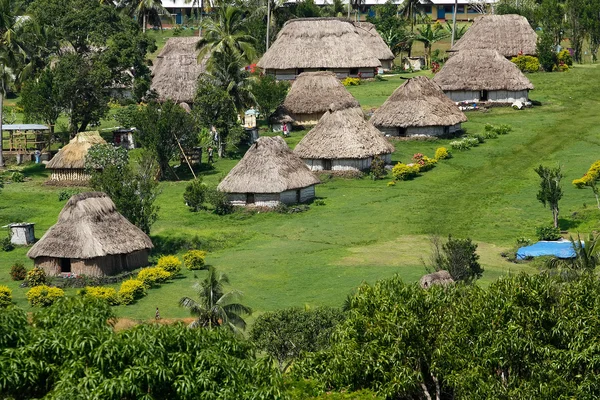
367,230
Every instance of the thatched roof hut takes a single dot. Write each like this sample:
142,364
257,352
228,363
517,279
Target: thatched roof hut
375,43
508,34
176,70
343,140
69,163
313,94
313,44
91,238
418,107
482,75
269,174
441,277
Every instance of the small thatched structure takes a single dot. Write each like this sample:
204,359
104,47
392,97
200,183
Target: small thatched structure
441,277
418,108
312,95
91,238
316,44
343,141
68,164
374,41
176,70
510,35
482,75
269,174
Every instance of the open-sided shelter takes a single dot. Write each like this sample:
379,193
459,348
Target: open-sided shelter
318,44
343,141
68,165
312,95
269,174
91,238
510,35
482,75
176,70
375,42
418,107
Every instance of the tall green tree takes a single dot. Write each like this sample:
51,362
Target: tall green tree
429,34
41,100
215,307
146,11
269,93
550,191
575,11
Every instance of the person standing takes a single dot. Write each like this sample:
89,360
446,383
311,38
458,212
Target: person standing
285,130
157,314
210,155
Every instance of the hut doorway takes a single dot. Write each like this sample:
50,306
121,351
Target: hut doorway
401,131
65,265
298,196
484,95
327,165
249,198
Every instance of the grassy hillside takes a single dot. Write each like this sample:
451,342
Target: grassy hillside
367,230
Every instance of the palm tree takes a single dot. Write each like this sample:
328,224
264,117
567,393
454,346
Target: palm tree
428,36
227,71
587,255
226,33
144,10
215,308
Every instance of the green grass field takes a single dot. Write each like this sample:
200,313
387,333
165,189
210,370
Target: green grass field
367,230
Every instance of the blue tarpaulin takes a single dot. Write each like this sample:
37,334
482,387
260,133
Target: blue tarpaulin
560,249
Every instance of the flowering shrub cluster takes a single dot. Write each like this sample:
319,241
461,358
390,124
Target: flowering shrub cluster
526,63
194,259
43,296
425,163
131,290
351,81
36,277
153,276
5,296
404,172
103,293
442,153
171,264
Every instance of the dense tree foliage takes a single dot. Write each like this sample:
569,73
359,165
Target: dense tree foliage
269,93
550,191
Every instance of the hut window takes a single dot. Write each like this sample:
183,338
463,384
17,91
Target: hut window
353,71
327,165
427,9
449,9
249,198
460,9
484,95
401,131
65,265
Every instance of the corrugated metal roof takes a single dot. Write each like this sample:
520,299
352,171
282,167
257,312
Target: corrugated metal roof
24,127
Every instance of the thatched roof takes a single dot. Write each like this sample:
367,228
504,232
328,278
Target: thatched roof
508,34
318,43
441,277
480,70
418,102
374,41
176,70
269,166
89,226
315,92
343,133
72,156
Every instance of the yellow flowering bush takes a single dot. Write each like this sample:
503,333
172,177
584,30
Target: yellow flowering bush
131,290
43,296
442,153
171,264
592,175
36,277
103,293
351,81
194,259
404,172
153,276
5,296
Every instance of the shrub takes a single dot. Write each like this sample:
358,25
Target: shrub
18,272
391,183
194,259
131,290
17,177
425,163
526,63
464,143
351,81
103,293
43,296
7,244
36,277
5,296
195,195
503,129
377,168
319,202
442,153
153,276
545,51
219,201
66,194
564,57
171,264
480,137
547,233
404,172
560,67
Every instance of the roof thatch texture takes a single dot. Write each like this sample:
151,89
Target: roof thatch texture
316,92
176,70
508,34
269,166
343,133
480,70
418,102
318,43
441,277
374,41
89,226
72,156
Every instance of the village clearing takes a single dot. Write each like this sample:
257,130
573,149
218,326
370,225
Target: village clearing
367,230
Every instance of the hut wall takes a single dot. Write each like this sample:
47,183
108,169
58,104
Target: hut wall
455,128
73,175
387,65
425,131
237,199
283,74
99,266
365,73
389,131
50,265
462,95
266,199
346,164
341,73
137,259
507,96
307,119
291,196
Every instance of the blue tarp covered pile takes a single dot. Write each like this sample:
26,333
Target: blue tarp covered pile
560,249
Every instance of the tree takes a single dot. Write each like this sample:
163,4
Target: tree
216,307
287,334
40,99
391,27
195,195
457,256
546,52
428,36
307,9
590,179
587,255
147,11
526,8
552,19
229,74
550,191
269,93
575,11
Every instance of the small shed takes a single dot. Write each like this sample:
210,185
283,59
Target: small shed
91,238
343,141
21,233
68,165
123,137
418,107
442,278
269,174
